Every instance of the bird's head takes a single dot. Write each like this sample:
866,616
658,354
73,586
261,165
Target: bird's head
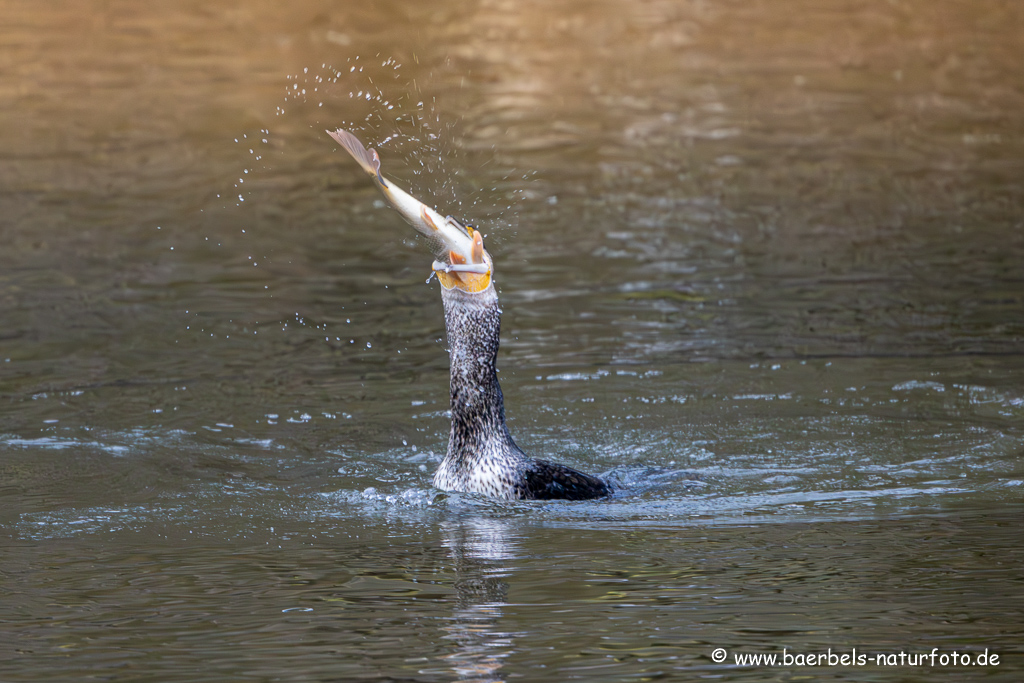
470,272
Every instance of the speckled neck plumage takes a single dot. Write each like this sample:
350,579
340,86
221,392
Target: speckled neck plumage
482,457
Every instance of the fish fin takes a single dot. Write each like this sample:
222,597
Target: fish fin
367,158
477,251
427,219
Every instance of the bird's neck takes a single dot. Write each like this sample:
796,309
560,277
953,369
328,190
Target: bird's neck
473,322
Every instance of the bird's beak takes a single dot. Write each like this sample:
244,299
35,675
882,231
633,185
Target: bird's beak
472,275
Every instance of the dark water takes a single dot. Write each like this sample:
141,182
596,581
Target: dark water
761,263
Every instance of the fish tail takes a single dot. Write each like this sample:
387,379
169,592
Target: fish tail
367,158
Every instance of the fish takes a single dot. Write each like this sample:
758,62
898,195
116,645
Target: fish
460,246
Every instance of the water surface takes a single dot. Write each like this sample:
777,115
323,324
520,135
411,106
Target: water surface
760,265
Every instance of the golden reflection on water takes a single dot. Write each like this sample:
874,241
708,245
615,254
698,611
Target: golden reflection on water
809,116
524,76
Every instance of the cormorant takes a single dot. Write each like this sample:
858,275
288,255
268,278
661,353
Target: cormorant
482,457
